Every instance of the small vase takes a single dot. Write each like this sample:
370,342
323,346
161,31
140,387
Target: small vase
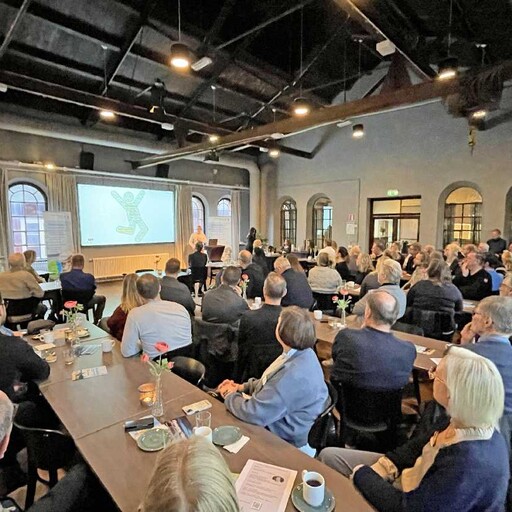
244,293
343,323
158,407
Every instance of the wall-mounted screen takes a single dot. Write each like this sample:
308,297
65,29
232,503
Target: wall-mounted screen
125,216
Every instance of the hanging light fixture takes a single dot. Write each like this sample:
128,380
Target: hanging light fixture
301,106
180,53
358,131
157,95
213,137
448,67
108,115
274,152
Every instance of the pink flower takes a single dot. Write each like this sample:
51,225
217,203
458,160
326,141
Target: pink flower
170,365
144,358
161,346
343,292
245,277
334,298
70,304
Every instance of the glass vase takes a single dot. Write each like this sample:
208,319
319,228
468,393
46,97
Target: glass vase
244,293
343,323
157,409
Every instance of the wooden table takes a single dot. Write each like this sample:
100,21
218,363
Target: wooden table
94,410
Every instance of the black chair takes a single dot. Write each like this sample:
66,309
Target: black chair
47,449
189,369
81,297
326,425
198,275
369,411
21,311
439,325
408,328
141,270
325,303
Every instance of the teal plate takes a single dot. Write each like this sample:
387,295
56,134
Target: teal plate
154,440
225,435
299,503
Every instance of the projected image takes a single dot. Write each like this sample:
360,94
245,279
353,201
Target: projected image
121,215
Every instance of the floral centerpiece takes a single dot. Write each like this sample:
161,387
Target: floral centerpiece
70,313
244,282
156,368
342,305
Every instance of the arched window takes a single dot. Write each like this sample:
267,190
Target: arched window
322,221
198,214
463,216
27,204
224,207
289,221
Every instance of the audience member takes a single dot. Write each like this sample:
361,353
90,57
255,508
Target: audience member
473,281
389,280
254,273
506,286
295,264
156,321
190,476
30,257
506,259
394,252
257,342
80,286
130,299
429,249
364,266
17,283
372,357
322,278
483,247
278,400
197,263
461,466
330,250
453,254
496,244
342,259
378,249
287,247
491,263
251,237
298,291
421,262
467,248
198,237
259,258
371,281
353,253
408,264
225,305
227,255
173,290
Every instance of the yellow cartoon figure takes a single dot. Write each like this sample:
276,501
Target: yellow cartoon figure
131,207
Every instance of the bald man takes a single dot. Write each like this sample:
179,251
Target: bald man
372,357
254,273
17,283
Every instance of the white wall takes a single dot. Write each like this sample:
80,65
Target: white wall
419,151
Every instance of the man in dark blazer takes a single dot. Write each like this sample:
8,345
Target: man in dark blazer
174,291
372,357
224,305
254,273
298,290
257,343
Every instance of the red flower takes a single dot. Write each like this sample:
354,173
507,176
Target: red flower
144,358
245,277
343,292
334,298
70,304
170,365
161,346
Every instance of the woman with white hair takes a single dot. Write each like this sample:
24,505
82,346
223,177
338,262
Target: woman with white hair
453,254
465,466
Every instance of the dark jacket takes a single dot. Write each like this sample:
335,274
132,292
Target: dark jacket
197,259
20,364
257,343
373,359
223,305
260,259
344,271
497,245
256,280
298,291
174,291
474,287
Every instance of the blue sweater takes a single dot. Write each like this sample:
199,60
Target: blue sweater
289,402
470,476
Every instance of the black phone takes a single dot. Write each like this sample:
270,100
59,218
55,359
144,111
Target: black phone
142,424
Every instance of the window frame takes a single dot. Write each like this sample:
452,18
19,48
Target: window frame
319,221
202,209
224,200
288,221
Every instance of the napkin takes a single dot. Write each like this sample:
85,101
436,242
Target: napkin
236,447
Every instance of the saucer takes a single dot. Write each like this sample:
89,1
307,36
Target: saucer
300,504
154,439
226,434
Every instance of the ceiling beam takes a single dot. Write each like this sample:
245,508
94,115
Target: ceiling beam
13,26
213,33
330,115
357,14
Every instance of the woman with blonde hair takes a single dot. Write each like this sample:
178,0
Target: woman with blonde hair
30,257
364,266
452,253
190,476
506,259
129,299
295,263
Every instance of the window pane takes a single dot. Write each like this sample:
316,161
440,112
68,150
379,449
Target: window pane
224,208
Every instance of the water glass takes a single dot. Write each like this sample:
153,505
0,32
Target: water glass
69,356
203,419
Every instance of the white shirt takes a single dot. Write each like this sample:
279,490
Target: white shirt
195,238
158,320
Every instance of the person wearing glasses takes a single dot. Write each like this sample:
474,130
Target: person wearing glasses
463,465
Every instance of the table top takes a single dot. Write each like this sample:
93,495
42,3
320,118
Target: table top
51,286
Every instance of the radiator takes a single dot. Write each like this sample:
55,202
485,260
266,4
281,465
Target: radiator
116,266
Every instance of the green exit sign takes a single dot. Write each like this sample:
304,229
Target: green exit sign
393,192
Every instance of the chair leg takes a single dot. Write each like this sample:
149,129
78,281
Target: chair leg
416,383
53,477
31,486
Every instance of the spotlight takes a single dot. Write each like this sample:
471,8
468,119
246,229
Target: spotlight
213,138
107,114
479,114
168,127
201,63
180,56
274,152
358,131
301,107
447,68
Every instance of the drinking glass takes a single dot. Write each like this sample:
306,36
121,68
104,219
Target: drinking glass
69,356
203,419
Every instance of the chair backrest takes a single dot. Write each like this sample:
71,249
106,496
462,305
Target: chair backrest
324,302
408,328
325,423
189,369
219,340
21,310
435,324
82,297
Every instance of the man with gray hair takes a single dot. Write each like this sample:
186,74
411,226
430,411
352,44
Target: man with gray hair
389,280
298,291
17,283
257,342
253,273
372,357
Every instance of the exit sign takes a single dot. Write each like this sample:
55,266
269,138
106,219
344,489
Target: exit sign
393,192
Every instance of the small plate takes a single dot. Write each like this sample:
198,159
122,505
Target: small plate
226,434
299,503
154,439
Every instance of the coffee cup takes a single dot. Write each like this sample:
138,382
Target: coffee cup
257,301
317,313
48,337
205,432
107,345
313,488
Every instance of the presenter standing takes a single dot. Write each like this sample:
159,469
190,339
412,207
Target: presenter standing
196,237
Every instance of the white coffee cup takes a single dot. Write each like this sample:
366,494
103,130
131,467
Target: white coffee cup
48,337
313,488
205,432
317,313
107,345
257,300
